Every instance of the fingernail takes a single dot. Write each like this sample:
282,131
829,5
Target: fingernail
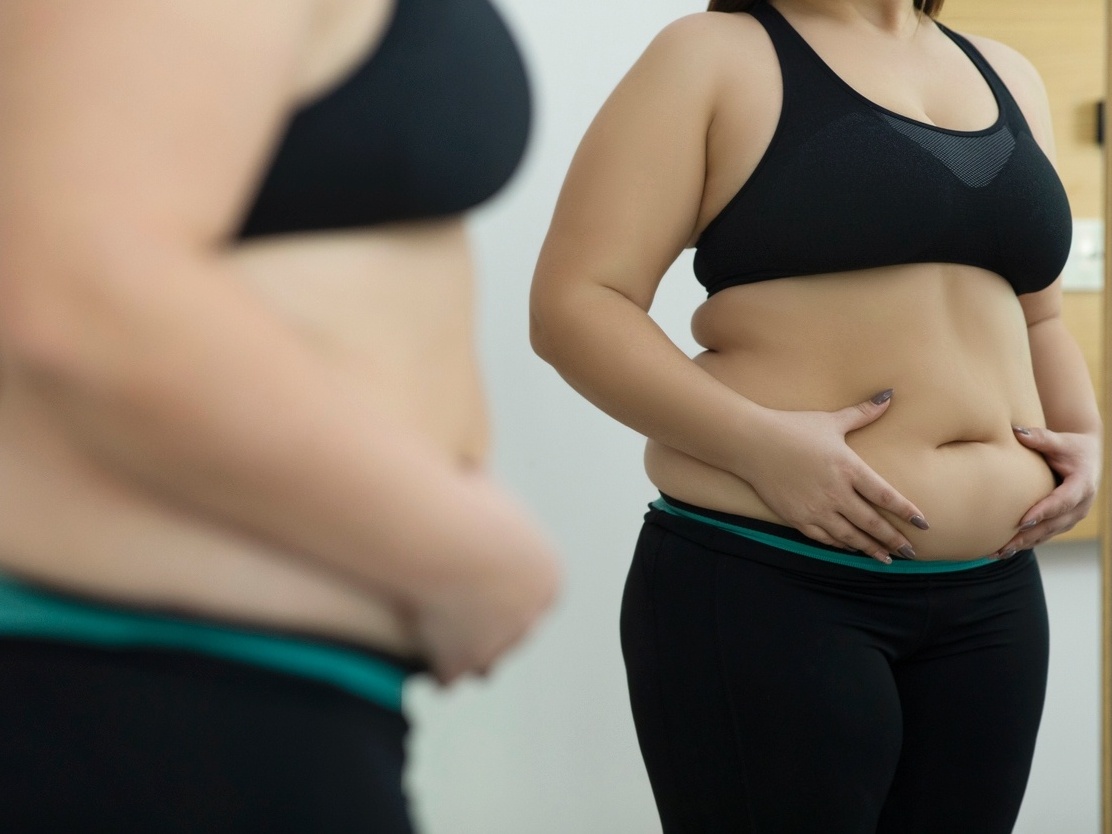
883,397
919,522
1021,430
907,551
1027,525
1008,554
881,556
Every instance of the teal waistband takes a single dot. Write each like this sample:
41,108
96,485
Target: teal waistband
815,552
30,612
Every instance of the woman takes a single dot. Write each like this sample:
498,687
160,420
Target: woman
834,620
242,434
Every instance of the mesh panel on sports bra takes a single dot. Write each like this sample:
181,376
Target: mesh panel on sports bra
975,160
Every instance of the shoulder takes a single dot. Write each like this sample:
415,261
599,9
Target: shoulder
711,49
1022,80
1014,67
709,36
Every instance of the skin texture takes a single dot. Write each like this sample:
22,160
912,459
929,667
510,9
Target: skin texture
287,433
774,419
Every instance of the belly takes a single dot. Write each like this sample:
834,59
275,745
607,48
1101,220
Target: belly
950,340
392,309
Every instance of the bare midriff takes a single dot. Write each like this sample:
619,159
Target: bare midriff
951,340
391,307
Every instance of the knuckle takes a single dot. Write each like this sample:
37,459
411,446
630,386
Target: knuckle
816,533
875,526
854,540
810,511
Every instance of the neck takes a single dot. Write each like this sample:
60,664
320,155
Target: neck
896,17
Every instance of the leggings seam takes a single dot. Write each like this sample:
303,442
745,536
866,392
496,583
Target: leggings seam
662,702
730,700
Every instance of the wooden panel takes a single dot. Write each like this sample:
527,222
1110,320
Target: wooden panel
1104,510
1083,313
1064,39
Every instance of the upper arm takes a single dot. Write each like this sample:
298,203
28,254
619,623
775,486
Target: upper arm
127,120
631,198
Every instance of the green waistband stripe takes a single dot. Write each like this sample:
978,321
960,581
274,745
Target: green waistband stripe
801,549
27,612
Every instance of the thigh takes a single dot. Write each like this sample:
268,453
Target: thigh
760,705
972,702
139,741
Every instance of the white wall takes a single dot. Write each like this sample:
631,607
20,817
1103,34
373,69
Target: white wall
1063,796
546,746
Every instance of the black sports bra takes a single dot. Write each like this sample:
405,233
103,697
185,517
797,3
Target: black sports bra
846,184
433,122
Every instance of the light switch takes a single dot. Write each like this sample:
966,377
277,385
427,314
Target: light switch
1084,271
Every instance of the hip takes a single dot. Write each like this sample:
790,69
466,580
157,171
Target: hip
973,494
682,559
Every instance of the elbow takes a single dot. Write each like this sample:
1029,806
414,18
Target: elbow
539,338
553,312
38,338
64,320
540,322
546,336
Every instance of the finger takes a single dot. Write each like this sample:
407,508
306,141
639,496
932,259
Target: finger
849,537
880,493
446,675
1039,439
860,415
1061,502
1038,535
864,517
872,549
1051,528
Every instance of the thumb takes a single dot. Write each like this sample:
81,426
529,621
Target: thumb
858,416
1033,437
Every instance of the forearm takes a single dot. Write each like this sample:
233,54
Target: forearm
1062,377
180,383
615,355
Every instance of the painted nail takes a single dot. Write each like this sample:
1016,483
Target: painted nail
881,398
919,522
1027,525
1021,430
881,556
1008,554
907,551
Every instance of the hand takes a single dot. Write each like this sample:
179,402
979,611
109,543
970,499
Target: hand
464,622
809,476
1075,459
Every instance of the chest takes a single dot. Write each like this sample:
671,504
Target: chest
432,122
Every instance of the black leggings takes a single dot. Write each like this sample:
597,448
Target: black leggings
105,740
778,694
